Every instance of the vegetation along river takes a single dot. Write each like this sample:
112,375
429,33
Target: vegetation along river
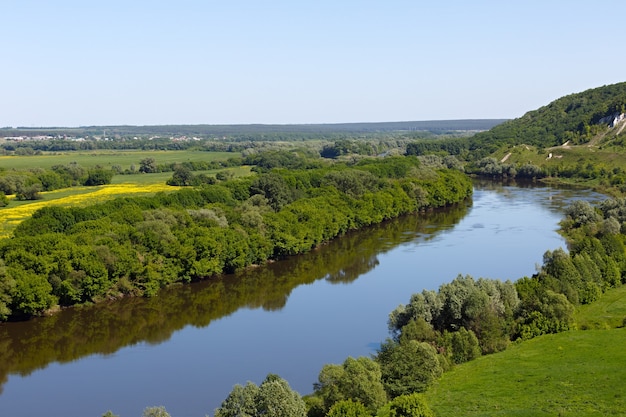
188,346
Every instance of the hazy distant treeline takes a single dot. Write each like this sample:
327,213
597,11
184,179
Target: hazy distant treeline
306,130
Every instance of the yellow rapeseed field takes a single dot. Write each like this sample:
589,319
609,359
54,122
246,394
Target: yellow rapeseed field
11,215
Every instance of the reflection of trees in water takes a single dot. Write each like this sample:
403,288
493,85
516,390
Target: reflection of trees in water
106,327
555,198
351,272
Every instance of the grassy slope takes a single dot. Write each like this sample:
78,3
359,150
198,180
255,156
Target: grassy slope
607,313
576,373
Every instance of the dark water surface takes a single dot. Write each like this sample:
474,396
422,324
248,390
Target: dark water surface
188,346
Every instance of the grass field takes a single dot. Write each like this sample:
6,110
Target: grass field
575,373
108,158
606,313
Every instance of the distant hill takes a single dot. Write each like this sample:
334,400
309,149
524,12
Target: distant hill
434,126
576,118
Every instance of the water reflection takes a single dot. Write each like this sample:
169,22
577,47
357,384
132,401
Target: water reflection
105,328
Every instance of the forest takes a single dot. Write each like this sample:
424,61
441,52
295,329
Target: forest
258,131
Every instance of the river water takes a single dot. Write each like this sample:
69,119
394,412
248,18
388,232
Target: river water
187,347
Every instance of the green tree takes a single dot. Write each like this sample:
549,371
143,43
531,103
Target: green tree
356,379
7,285
408,367
276,399
241,402
274,188
30,192
461,346
99,177
148,165
273,398
411,405
31,294
182,176
581,213
348,408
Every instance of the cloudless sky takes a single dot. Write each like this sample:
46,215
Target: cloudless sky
145,62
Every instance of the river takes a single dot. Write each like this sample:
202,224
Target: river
185,348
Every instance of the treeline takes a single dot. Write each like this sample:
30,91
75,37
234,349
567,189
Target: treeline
27,184
465,319
137,245
265,131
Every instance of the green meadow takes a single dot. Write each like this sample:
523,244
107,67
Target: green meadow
109,158
575,373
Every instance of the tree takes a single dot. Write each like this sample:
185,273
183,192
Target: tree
273,187
31,293
462,345
411,405
581,213
408,367
182,176
148,165
30,192
225,175
7,284
98,177
241,402
356,379
276,399
273,398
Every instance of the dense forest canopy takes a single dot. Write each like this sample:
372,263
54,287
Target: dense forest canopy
574,118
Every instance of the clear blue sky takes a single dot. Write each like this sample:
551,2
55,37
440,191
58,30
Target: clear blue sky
78,62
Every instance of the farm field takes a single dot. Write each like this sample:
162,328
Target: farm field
17,211
108,158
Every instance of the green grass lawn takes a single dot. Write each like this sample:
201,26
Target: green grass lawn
575,373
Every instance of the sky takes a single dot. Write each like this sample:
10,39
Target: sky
151,62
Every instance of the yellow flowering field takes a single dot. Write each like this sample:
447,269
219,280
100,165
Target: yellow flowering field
13,214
